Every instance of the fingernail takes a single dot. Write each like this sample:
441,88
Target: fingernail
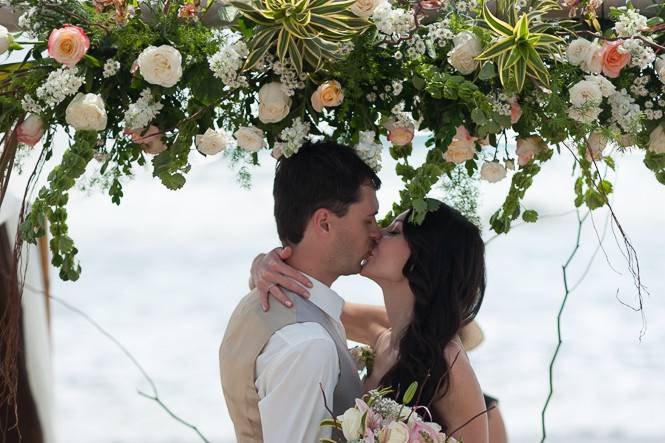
289,304
309,284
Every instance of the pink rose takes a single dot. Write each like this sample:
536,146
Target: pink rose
68,45
151,140
400,133
515,112
614,59
30,131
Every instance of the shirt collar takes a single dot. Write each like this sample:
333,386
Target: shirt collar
325,299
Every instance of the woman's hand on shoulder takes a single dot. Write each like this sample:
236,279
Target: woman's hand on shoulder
269,274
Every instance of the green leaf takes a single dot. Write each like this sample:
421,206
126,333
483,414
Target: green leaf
497,25
497,48
478,116
530,216
487,72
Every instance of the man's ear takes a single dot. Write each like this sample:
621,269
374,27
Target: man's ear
321,220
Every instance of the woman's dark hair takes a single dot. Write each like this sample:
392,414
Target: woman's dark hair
321,175
446,272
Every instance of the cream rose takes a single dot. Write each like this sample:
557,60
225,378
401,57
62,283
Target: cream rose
329,94
492,172
527,148
212,142
151,140
365,8
585,93
160,65
400,133
463,55
86,112
660,67
249,138
68,45
351,423
594,59
30,131
274,104
577,51
657,140
462,148
395,432
5,40
595,145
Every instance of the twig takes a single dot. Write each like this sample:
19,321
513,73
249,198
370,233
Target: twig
325,405
580,222
128,354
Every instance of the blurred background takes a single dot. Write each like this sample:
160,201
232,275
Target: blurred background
163,271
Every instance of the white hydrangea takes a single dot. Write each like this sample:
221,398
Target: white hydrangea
641,55
59,85
30,105
416,47
288,76
227,62
26,22
393,22
140,114
369,150
639,86
291,138
397,87
630,23
625,112
111,68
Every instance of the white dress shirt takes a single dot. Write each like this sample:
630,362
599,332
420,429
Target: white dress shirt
296,362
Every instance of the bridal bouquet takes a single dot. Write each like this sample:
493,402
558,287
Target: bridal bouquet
378,419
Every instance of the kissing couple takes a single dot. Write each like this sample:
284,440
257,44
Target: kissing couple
275,361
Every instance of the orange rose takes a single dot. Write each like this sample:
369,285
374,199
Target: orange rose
614,59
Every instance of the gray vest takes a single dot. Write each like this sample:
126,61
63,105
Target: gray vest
248,331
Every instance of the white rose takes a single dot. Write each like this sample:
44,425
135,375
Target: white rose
351,423
395,432
659,65
274,104
657,140
492,172
594,59
5,40
595,144
249,138
365,8
606,86
584,93
577,51
212,142
584,115
86,112
467,47
160,65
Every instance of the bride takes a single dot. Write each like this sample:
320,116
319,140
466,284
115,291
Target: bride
433,280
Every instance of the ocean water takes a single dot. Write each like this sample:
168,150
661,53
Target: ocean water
163,271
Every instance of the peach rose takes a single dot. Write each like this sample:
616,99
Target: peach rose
30,131
68,45
329,94
527,148
614,59
515,112
151,140
462,148
401,133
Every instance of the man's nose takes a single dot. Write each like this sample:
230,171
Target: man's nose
377,234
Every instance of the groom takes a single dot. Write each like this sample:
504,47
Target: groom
274,365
